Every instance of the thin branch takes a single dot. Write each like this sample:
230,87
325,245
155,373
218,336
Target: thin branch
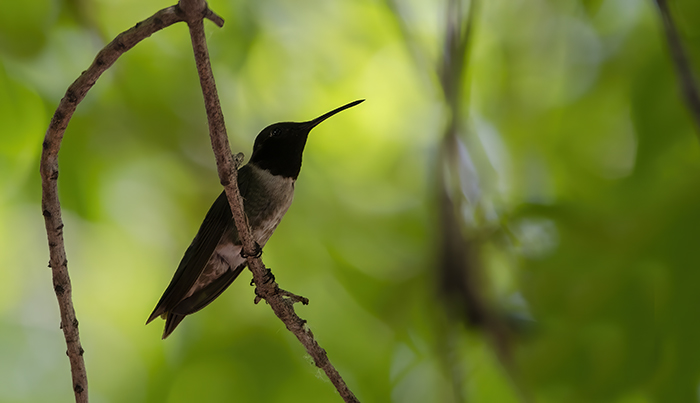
51,207
680,59
451,70
281,302
214,17
460,270
420,55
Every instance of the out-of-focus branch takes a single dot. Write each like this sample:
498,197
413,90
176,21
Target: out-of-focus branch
686,80
281,302
458,35
51,207
419,54
460,271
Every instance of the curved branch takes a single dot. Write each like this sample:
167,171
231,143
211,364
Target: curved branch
51,207
281,302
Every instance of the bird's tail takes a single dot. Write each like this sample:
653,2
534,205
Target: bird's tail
159,311
171,322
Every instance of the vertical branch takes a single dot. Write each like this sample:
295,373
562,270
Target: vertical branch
228,174
281,302
459,271
686,80
50,204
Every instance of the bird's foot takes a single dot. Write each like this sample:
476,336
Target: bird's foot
256,254
268,277
270,288
267,288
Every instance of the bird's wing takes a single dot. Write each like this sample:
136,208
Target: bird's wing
215,224
199,300
218,223
206,295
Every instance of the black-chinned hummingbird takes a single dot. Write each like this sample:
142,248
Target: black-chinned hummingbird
214,260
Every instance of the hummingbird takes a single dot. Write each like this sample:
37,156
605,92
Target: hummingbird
214,258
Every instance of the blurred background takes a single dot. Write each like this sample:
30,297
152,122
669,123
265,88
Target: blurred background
511,216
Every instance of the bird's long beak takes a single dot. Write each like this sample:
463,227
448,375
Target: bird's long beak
313,123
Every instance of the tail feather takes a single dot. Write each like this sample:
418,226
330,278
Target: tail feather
171,322
159,311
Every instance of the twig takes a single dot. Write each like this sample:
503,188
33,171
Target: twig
51,207
227,170
680,59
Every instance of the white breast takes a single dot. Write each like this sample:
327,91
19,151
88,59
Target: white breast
283,189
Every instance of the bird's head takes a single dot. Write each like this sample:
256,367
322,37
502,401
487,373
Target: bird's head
279,147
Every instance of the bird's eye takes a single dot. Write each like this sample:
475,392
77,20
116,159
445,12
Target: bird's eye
274,133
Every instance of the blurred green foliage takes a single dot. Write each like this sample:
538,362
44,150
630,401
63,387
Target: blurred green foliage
585,161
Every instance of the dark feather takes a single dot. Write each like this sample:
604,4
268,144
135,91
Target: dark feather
171,322
199,300
217,222
205,296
